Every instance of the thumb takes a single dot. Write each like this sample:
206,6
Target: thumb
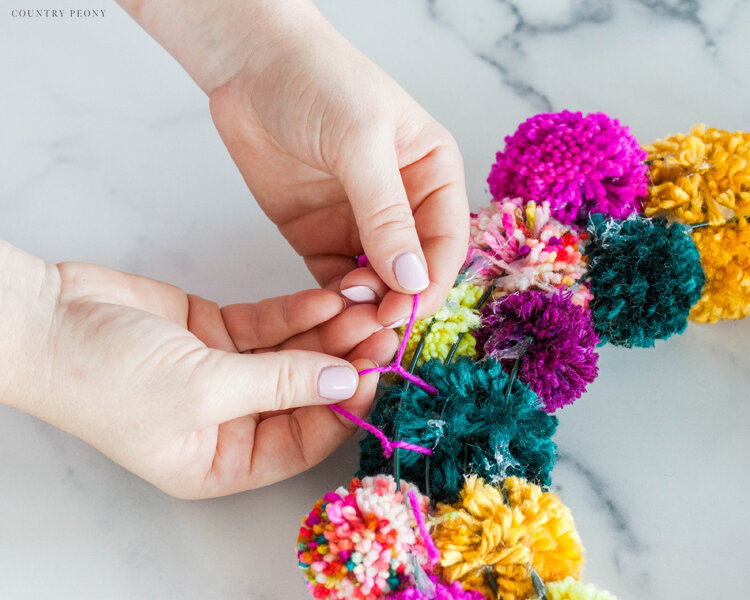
372,181
234,385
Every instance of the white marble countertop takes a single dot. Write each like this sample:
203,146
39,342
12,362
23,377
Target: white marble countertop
108,155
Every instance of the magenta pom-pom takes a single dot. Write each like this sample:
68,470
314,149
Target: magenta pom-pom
579,164
440,591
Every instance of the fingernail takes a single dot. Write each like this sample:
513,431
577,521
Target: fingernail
337,383
359,293
411,272
399,323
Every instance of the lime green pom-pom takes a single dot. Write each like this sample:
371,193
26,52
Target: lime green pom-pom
570,589
456,316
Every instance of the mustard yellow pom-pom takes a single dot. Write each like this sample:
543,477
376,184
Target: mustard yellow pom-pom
482,533
456,316
701,176
570,589
725,257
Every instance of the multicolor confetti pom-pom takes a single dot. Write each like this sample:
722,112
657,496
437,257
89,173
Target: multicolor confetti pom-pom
361,543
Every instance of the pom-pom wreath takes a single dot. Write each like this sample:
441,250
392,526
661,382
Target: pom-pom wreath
645,276
702,176
456,316
520,246
579,164
481,536
552,339
725,256
441,591
570,589
470,425
361,542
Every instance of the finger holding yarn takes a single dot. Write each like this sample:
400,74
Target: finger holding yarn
551,339
579,164
472,425
645,276
570,589
441,591
700,176
518,246
362,542
725,256
456,316
481,536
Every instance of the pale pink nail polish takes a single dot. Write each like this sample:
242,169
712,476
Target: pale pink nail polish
359,293
337,383
411,272
399,323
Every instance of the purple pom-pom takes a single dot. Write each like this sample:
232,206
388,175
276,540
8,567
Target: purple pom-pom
442,592
552,338
580,165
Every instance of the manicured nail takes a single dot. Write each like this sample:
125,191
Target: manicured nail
411,272
337,383
399,323
359,293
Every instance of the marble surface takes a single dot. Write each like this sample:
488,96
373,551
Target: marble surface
109,155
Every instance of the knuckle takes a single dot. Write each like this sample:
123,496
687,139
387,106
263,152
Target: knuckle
288,384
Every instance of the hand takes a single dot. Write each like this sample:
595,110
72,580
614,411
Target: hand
343,160
155,380
334,151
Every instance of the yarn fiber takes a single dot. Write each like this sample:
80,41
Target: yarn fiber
456,316
725,256
570,589
481,531
552,338
470,426
645,275
520,246
579,164
442,591
700,176
359,543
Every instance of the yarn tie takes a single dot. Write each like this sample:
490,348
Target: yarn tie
388,445
396,366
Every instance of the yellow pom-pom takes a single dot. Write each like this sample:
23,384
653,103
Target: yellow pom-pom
456,316
481,536
570,589
701,176
725,257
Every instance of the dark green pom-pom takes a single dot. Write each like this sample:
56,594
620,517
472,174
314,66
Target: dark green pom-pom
645,276
469,425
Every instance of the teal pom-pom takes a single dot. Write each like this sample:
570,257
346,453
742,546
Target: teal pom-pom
469,425
645,276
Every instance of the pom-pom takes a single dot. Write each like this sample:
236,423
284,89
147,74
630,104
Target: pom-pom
456,316
645,276
552,339
570,589
361,542
470,425
579,164
725,256
520,247
441,591
481,536
702,176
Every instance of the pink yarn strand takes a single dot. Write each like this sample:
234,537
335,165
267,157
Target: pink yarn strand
396,366
432,552
388,446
